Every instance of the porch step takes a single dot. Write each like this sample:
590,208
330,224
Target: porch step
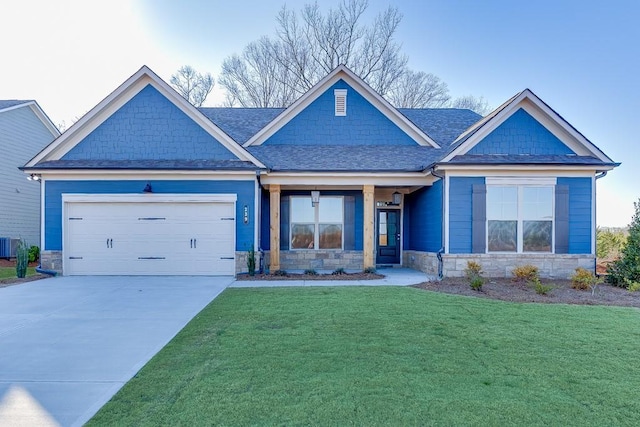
380,266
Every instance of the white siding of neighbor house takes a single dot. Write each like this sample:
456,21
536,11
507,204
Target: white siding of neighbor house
22,136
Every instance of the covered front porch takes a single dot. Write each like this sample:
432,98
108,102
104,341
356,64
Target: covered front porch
328,227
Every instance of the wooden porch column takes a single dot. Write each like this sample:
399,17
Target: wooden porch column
274,227
369,226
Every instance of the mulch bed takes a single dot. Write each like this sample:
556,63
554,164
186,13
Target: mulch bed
561,292
302,276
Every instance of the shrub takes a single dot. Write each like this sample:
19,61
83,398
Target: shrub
370,270
584,279
34,253
633,286
310,272
476,283
281,273
540,288
339,271
526,272
473,272
22,259
251,261
628,266
473,269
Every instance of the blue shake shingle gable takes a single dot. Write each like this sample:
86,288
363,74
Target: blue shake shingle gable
318,124
521,134
149,127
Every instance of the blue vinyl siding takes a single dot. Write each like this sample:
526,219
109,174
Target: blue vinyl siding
265,234
149,127
423,219
460,213
317,124
521,134
55,189
580,204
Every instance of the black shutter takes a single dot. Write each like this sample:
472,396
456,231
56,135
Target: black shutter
479,218
562,219
284,223
349,223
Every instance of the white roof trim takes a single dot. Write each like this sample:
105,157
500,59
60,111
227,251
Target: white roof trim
544,114
116,99
40,114
342,72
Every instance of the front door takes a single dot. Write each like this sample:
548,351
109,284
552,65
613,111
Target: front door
388,236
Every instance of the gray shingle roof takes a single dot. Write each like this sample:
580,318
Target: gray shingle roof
6,103
241,123
148,164
333,158
442,124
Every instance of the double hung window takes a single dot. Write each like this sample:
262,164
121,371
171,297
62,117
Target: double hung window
520,218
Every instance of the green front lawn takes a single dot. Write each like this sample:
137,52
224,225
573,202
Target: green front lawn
10,272
388,356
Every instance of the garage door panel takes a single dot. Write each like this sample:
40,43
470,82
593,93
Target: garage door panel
150,238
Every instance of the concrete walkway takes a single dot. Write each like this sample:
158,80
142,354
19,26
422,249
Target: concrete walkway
68,344
393,277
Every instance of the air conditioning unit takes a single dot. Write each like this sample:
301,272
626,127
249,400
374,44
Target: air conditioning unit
8,247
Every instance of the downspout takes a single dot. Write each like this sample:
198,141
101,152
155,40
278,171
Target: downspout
259,221
441,250
595,244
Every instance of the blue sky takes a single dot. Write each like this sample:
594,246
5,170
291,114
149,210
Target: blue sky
582,58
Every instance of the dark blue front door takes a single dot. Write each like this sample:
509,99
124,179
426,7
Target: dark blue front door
388,236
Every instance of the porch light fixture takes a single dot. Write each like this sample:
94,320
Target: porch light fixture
315,198
396,198
34,177
147,188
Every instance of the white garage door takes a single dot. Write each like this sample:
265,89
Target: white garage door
138,238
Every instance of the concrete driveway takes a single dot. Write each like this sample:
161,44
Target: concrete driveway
67,344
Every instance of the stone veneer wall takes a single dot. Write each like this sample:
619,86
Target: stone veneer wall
559,266
319,259
51,260
427,262
241,262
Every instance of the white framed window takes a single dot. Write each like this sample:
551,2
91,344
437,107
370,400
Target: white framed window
317,227
520,218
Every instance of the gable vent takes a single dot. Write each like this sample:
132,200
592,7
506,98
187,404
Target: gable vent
341,101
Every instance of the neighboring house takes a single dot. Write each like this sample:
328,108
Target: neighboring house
145,183
24,129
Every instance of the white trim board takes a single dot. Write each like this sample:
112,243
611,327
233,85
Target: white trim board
146,175
148,198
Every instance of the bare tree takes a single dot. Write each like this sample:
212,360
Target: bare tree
417,89
273,72
479,105
192,85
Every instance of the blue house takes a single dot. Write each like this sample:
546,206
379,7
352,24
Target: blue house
24,129
145,183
